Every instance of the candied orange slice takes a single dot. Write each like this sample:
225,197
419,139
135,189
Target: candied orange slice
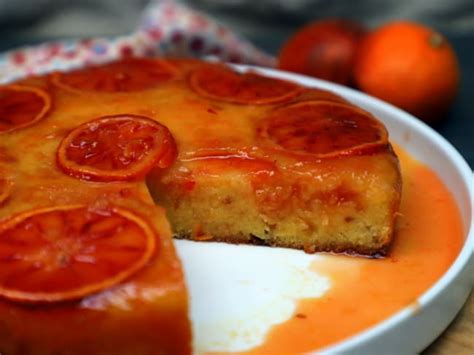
116,148
220,83
66,253
5,187
22,106
133,74
323,129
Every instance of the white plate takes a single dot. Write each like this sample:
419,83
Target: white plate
238,292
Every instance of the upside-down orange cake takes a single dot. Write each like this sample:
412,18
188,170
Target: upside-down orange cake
88,157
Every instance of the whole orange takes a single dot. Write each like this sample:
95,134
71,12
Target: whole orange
324,49
411,66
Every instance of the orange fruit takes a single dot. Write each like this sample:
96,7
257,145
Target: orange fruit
69,252
133,74
323,129
323,49
221,83
411,66
116,148
22,106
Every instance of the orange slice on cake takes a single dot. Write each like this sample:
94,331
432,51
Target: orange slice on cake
133,74
323,129
116,148
5,188
69,252
22,106
224,84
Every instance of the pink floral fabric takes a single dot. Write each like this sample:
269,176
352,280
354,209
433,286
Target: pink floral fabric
166,28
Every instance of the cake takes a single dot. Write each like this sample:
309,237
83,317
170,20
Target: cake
265,161
100,166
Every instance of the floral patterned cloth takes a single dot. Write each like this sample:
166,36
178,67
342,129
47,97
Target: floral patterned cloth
166,28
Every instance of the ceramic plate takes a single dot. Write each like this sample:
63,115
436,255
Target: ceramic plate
238,293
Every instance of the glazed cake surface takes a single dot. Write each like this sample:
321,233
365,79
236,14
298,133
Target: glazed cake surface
87,260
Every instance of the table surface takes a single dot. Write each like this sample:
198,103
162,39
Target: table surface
457,127
458,338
